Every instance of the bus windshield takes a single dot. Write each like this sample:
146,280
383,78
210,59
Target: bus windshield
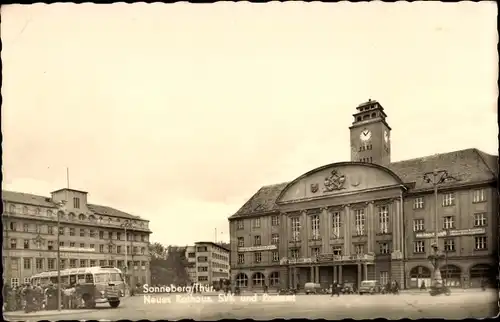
107,277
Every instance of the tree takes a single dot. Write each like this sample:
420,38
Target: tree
171,269
157,251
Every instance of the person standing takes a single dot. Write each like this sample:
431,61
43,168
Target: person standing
30,299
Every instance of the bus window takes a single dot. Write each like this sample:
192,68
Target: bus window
101,278
64,279
80,277
72,280
89,278
53,280
115,277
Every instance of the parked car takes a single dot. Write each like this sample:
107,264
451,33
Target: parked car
348,288
312,288
370,287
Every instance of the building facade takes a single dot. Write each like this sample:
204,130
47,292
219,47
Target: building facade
208,263
89,235
370,218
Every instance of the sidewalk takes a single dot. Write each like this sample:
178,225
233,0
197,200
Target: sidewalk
453,290
21,315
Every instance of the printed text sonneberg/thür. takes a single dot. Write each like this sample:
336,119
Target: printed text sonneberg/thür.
147,289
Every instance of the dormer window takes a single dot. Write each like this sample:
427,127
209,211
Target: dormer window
76,202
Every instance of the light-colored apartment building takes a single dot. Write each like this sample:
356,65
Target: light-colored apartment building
208,263
89,235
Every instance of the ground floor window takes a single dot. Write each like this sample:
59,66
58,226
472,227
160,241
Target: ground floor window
258,279
420,276
274,279
384,278
451,274
242,280
14,282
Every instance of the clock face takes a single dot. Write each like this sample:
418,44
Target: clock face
386,136
365,135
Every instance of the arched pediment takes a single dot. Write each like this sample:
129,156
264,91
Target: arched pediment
339,178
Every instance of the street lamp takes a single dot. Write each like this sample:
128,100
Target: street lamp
436,178
61,205
127,224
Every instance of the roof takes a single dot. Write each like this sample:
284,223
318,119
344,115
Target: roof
41,201
468,166
81,191
213,244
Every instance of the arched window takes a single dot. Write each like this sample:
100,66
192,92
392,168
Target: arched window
366,117
49,213
274,279
81,217
482,274
258,279
91,217
420,272
374,115
61,215
12,208
37,211
451,274
25,210
358,119
72,216
242,280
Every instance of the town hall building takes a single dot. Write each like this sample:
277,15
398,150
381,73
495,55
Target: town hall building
370,218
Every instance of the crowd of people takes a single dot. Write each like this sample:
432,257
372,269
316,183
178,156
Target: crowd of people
32,298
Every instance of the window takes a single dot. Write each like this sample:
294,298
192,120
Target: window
480,220
479,195
315,251
383,215
50,230
202,278
119,235
202,258
39,263
480,243
61,231
27,263
241,242
384,278
119,249
315,227
51,263
61,244
294,253
418,203
110,249
275,239
26,244
13,243
384,248
418,225
240,225
257,257
93,263
14,282
336,225
101,235
275,220
419,246
448,199
82,245
276,257
76,202
202,268
449,222
449,245
101,248
13,226
92,246
102,263
359,249
256,223
241,258
360,221
72,232
26,228
337,250
256,240
72,263
25,210
92,233
50,245
295,228
72,244
82,232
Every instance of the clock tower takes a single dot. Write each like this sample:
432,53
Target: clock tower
370,134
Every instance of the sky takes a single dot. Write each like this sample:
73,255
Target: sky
179,113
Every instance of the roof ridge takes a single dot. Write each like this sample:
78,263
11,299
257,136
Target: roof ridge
480,154
432,155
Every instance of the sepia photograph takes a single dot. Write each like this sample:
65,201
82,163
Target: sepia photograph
239,160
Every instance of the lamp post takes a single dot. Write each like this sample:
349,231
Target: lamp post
126,225
60,209
436,178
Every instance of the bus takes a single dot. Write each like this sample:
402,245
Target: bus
102,284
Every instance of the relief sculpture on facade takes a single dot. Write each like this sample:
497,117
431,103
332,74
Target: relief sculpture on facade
334,182
314,187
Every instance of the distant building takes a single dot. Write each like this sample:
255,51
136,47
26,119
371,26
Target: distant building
90,235
371,218
208,262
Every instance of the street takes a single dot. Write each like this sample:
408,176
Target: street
407,305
